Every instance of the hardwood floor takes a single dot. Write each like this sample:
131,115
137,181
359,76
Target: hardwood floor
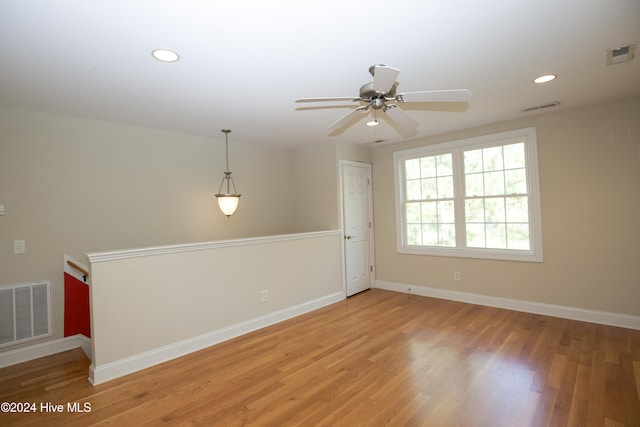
378,358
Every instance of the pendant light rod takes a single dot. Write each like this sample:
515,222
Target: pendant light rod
226,140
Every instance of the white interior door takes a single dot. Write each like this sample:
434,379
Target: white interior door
357,225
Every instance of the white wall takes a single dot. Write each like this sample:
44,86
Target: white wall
589,163
153,305
72,185
315,187
316,183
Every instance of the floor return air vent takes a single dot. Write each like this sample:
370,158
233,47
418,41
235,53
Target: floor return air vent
25,312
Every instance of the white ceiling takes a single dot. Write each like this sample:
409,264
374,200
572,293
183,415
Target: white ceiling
244,62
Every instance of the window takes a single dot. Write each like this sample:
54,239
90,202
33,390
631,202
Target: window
474,198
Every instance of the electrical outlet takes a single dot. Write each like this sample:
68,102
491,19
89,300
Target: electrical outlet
263,295
456,275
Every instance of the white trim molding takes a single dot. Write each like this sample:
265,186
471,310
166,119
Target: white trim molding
565,312
47,348
156,356
190,247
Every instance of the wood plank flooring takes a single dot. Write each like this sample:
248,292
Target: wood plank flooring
378,358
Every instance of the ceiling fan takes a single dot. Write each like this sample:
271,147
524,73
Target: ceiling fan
379,94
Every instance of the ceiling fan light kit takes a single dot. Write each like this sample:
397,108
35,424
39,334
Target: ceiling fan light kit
380,94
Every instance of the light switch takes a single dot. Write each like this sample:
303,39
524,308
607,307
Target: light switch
19,247
1,210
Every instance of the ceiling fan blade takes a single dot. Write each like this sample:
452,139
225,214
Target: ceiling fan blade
348,117
400,117
384,78
343,98
454,95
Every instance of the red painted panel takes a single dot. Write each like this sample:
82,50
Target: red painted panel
76,307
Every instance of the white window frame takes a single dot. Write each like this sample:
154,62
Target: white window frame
526,135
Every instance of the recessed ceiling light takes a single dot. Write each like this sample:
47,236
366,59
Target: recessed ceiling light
546,78
165,55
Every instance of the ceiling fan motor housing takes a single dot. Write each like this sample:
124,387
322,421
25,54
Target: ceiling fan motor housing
367,92
377,103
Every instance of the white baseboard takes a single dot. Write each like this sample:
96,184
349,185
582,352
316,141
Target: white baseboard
565,312
109,371
47,348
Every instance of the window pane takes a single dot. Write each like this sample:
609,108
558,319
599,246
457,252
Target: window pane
429,212
473,161
430,234
515,181
494,210
430,223
428,167
475,236
514,156
518,236
474,184
496,236
492,158
429,188
517,209
413,213
413,189
446,211
494,183
412,169
447,235
474,210
445,187
444,164
414,235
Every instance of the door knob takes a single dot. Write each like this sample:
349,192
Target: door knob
349,237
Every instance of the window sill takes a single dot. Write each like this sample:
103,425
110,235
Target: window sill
526,256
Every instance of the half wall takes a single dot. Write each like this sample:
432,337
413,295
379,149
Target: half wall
151,305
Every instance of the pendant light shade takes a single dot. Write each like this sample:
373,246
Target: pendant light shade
227,201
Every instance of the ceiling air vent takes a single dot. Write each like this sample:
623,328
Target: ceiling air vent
541,107
617,55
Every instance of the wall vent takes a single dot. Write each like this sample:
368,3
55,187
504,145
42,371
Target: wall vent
617,55
25,312
541,107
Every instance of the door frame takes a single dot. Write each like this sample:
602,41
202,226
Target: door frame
372,258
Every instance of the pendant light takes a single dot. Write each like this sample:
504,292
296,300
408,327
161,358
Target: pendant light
227,202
